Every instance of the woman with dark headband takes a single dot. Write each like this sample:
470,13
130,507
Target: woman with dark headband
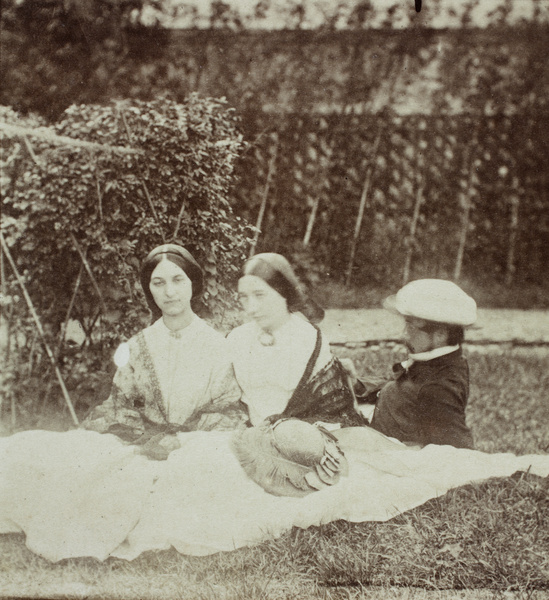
80,493
176,374
282,364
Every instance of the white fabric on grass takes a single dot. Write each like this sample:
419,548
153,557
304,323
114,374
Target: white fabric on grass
85,494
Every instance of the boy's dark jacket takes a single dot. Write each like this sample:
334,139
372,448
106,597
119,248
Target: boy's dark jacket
426,403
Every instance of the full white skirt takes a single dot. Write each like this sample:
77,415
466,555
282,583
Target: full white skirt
80,493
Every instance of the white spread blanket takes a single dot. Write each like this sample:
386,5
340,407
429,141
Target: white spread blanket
80,493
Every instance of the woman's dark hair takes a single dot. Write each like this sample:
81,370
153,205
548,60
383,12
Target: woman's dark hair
277,272
180,257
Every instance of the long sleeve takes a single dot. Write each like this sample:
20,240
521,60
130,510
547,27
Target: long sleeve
366,388
442,416
225,411
119,414
224,387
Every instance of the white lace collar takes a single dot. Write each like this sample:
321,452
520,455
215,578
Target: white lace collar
429,355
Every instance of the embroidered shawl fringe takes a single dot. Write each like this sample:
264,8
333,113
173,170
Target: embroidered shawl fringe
325,397
280,475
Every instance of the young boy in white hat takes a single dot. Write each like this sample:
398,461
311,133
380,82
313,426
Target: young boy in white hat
425,403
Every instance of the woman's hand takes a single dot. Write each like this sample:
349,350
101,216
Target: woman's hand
170,442
350,369
159,447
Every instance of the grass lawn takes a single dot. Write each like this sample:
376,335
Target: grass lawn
489,540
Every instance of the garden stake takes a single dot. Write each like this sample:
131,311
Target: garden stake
324,158
68,315
44,133
8,333
311,221
99,196
31,152
88,270
13,415
514,202
264,199
39,328
143,184
179,218
413,228
360,215
467,203
62,334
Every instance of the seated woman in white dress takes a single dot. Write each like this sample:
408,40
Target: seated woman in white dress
282,364
175,375
83,493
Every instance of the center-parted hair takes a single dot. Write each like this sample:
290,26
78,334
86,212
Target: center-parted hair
180,257
277,272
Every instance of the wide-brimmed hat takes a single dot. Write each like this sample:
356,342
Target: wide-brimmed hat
290,457
436,300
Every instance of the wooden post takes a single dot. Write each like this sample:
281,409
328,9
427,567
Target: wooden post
68,315
513,234
465,219
143,184
413,227
361,209
39,329
311,221
88,270
325,158
264,200
8,332
466,202
43,133
462,235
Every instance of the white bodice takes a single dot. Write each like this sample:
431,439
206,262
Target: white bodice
185,363
268,375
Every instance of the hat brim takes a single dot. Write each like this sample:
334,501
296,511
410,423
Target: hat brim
263,464
390,304
275,472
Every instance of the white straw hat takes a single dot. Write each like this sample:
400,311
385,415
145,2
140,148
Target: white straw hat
435,300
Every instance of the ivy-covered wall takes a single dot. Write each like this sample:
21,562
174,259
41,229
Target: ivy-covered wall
443,133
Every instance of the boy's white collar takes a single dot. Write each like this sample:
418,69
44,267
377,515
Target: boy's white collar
429,355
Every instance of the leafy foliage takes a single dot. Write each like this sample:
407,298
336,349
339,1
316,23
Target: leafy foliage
351,14
471,163
79,219
401,157
56,53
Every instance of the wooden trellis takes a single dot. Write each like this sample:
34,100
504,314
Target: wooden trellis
45,134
